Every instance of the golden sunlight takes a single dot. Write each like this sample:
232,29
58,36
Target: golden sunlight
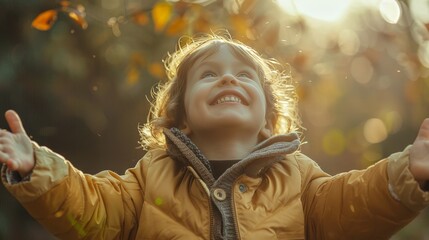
325,10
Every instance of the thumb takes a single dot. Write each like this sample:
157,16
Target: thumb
14,122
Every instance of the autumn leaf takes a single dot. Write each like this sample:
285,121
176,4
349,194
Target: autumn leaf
177,26
78,17
45,20
161,14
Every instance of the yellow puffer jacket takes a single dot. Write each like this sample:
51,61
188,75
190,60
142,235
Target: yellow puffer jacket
274,193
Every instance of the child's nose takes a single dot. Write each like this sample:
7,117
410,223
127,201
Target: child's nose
228,79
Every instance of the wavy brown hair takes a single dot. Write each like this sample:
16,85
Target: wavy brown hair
168,110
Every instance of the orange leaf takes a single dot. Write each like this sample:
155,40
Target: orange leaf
141,18
45,20
78,17
177,26
161,13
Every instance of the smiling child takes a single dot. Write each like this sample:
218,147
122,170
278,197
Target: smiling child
223,162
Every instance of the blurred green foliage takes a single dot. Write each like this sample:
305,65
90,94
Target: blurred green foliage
82,90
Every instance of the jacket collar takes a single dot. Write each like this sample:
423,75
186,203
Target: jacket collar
266,153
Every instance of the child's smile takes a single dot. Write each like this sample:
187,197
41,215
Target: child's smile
223,92
229,96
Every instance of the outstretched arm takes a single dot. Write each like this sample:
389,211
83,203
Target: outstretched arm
419,156
69,203
16,150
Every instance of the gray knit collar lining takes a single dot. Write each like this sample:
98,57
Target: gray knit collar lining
269,151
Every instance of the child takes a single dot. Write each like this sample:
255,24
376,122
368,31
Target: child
223,163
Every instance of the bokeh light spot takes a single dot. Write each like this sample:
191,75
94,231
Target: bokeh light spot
334,142
59,214
158,201
390,11
374,130
352,208
419,9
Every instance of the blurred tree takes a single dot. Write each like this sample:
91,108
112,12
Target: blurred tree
80,73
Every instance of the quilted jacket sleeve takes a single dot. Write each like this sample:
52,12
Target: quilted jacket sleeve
362,204
73,205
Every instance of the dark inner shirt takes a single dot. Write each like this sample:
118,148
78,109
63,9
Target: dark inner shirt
220,166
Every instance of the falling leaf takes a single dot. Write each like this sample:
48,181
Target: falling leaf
140,18
78,18
45,20
177,26
161,13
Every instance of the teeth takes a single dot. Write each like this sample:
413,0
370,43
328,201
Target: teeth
229,98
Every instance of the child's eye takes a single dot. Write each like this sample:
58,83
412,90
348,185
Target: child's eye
208,74
244,74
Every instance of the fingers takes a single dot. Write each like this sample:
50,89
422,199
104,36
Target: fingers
14,122
4,158
424,131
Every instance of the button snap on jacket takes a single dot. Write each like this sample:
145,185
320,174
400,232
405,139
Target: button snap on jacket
219,194
242,188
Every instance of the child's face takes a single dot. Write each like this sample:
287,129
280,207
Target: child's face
223,92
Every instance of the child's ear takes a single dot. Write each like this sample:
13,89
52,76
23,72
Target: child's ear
185,129
267,130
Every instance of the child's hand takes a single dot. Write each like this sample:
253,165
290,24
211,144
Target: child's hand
16,150
419,155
